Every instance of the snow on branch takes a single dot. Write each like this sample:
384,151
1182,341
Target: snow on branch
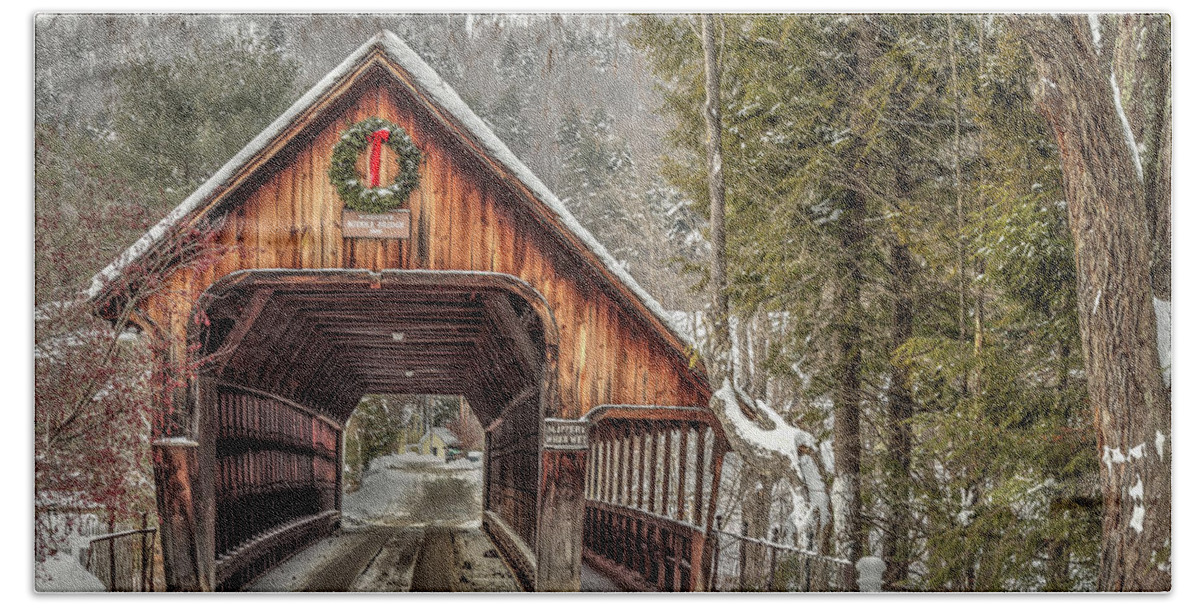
783,448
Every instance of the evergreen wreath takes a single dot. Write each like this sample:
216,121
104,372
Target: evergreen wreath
343,172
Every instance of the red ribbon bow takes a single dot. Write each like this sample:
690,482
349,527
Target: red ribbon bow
377,139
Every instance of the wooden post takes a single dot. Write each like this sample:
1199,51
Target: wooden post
681,491
651,506
174,475
560,520
641,478
668,443
205,489
699,490
718,456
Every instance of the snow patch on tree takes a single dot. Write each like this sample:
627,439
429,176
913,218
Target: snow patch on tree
1125,127
1162,313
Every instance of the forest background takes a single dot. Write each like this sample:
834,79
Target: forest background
976,341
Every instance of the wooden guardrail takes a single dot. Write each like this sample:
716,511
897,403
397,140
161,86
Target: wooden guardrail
652,476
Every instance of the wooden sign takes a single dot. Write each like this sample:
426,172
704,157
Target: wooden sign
561,434
390,225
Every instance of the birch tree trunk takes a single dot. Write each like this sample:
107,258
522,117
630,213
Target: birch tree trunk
721,341
1109,224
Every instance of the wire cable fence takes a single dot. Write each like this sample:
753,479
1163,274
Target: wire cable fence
744,563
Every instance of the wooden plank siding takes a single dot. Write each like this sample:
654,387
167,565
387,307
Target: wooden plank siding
465,216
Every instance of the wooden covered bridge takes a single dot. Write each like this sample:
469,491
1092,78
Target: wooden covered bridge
441,266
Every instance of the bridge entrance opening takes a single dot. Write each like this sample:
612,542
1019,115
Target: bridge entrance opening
288,357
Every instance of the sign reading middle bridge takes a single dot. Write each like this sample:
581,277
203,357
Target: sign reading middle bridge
391,225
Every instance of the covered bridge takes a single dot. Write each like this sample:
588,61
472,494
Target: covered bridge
379,238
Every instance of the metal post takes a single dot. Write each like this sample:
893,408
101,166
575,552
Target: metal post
771,572
715,579
742,557
112,554
146,560
153,544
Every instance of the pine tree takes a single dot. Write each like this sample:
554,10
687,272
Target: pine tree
177,120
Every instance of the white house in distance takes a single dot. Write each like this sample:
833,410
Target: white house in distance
437,442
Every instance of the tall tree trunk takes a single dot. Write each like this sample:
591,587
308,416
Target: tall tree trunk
1107,210
744,368
721,341
960,222
762,329
847,442
898,434
1142,64
846,494
980,263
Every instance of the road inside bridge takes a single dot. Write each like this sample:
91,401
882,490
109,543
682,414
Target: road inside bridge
412,526
394,559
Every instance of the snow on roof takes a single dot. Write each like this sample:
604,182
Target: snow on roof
429,84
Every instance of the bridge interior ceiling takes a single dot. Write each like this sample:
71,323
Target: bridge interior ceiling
324,345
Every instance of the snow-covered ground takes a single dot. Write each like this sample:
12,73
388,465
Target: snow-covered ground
64,573
405,489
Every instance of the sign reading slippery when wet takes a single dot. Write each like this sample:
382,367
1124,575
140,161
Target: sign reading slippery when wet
390,225
565,434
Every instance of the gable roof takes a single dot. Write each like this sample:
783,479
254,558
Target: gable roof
445,101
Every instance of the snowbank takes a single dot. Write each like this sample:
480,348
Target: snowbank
63,573
410,488
390,460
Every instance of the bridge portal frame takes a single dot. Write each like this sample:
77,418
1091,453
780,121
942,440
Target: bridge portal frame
190,472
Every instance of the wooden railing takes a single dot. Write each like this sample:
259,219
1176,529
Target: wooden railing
642,551
275,479
249,560
652,474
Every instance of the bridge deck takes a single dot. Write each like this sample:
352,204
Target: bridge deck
393,559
